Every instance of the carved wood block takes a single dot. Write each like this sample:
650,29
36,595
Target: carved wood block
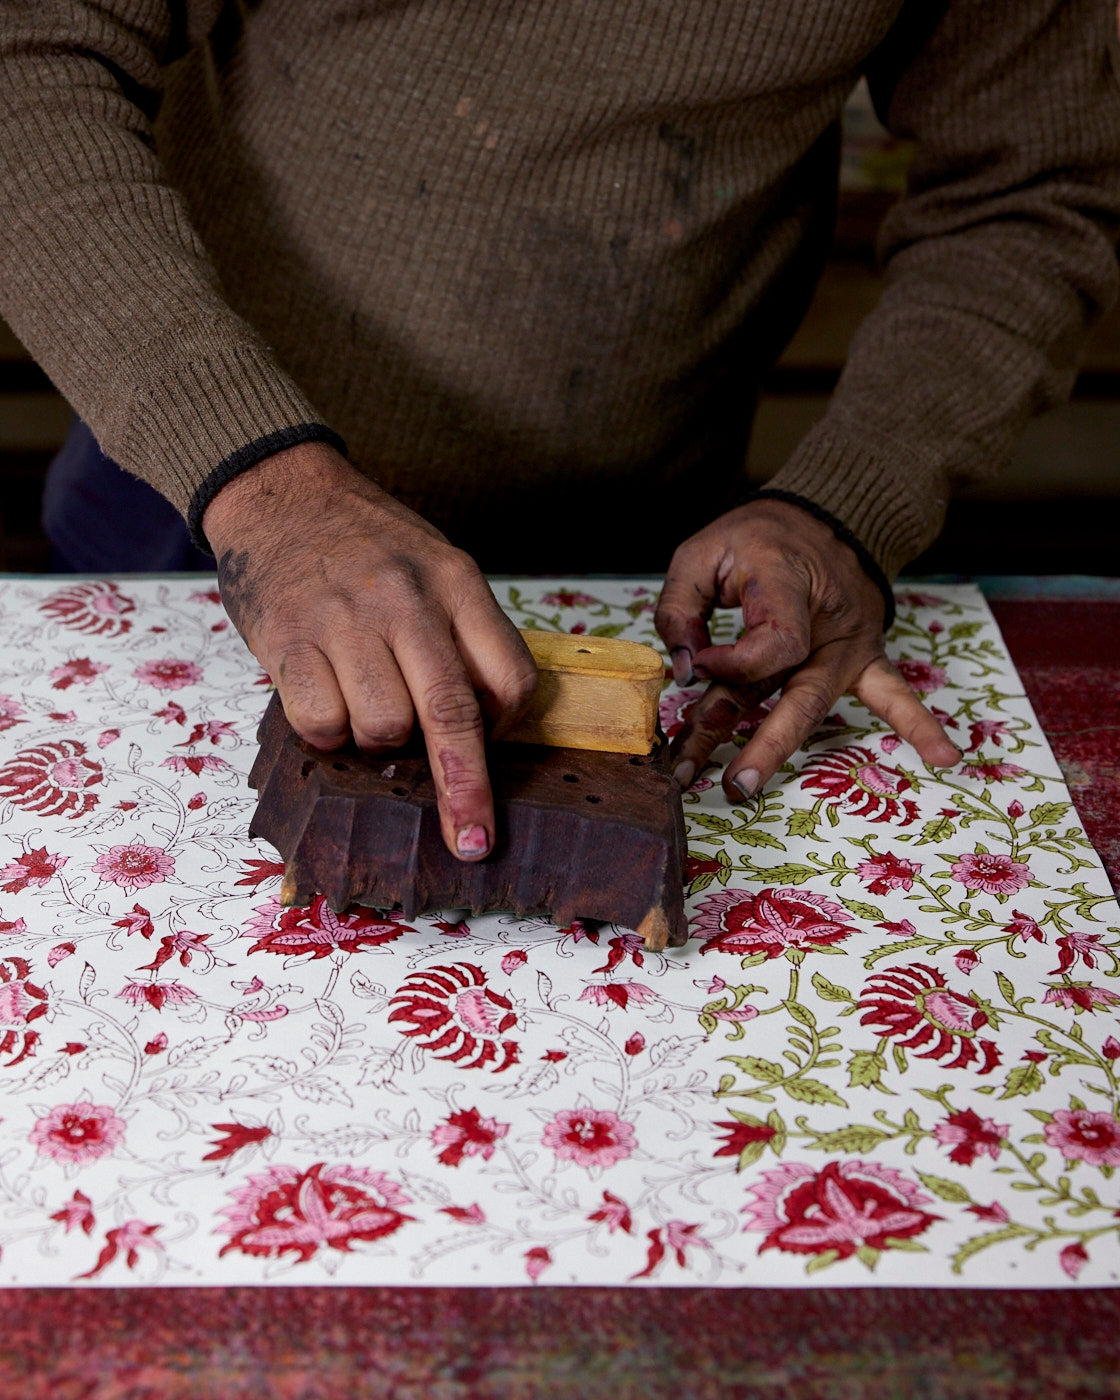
578,834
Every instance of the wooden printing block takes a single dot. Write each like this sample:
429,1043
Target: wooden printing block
579,834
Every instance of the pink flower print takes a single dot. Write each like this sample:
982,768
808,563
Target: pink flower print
21,1002
921,676
1083,1136
994,874
919,600
590,1137
1073,1259
127,1240
995,1213
515,958
452,1012
467,1134
537,1260
196,763
77,1133
843,1207
157,994
206,595
34,867
168,675
619,994
967,960
915,1005
853,779
80,671
10,712
288,1211
769,921
52,780
562,598
981,730
215,730
990,770
465,1215
1071,946
1080,995
138,921
76,1214
970,1136
134,867
614,1213
635,1043
317,930
1111,1048
98,608
888,872
1023,925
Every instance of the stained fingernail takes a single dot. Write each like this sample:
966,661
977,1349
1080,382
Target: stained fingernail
684,772
681,658
699,673
473,841
746,782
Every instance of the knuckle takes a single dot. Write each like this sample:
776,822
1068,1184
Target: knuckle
516,687
452,710
383,733
322,729
810,704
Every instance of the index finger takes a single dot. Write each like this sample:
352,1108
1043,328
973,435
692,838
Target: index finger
451,721
688,595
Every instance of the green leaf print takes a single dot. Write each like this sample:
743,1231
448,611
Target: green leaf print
943,1187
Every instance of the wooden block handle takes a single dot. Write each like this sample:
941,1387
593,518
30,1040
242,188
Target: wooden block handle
592,693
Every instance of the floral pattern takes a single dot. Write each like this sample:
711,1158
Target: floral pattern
892,1033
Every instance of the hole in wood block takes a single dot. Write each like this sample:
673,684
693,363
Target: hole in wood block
592,798
341,767
400,792
307,767
638,761
570,778
584,651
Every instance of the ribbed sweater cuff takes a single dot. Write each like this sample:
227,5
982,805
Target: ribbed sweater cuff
891,501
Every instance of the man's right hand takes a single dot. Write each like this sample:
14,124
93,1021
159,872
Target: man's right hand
367,620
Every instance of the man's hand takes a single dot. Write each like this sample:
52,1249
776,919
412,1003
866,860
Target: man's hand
367,619
814,628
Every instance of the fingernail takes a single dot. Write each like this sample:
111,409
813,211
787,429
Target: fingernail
681,658
684,772
746,782
700,673
473,841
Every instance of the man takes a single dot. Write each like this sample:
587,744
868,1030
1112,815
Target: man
527,262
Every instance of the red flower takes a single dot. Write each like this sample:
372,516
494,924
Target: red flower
1073,1259
770,921
635,1044
234,1136
168,674
915,1004
843,1207
590,1137
614,1213
990,770
81,669
31,868
994,874
853,778
1080,995
967,960
157,994
452,1013
134,867
1071,947
741,1136
77,1213
139,921
128,1239
172,713
993,729
888,872
537,1260
625,945
98,608
1024,926
467,1134
970,1136
21,1002
52,779
10,711
213,729
564,599
258,870
195,763
465,1215
77,1133
619,994
995,1213
1083,1136
675,1236
921,676
317,930
286,1211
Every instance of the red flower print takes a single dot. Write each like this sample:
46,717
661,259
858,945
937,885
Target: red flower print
98,608
919,600
515,958
1024,926
139,921
994,874
195,763
52,779
619,994
213,729
186,944
33,867
854,779
844,1207
537,1260
1111,1048
990,770
258,870
127,1240
635,1043
172,713
467,1134
970,1136
1083,1136
317,931
1071,946
564,599
233,1137
77,1133
207,595
614,1213
1073,1259
465,1215
742,1137
769,922
451,1012
76,1214
675,1236
921,676
288,1211
982,729
623,946
157,1045
157,994
60,952
1080,995
134,867
169,675
967,960
21,1002
915,1005
590,1137
676,706
81,671
887,872
10,712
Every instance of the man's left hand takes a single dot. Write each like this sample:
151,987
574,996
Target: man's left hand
813,622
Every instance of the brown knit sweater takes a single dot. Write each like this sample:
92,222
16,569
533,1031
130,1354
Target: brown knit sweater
527,257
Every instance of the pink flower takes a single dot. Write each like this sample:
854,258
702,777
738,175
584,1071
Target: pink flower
134,867
1083,1136
770,921
157,994
994,874
1071,947
921,676
674,1236
127,1239
619,994
614,1213
888,872
843,1207
76,1214
990,770
1023,925
1073,1259
138,921
285,1210
77,1133
1015,810
465,1215
635,1044
590,1137
97,608
10,711
34,867
853,779
1111,1048
168,675
195,763
81,671
1080,995
564,599
982,729
513,960
537,1260
52,780
966,960
467,1134
970,1136
317,930
995,1213
21,1002
60,952
450,1011
915,1004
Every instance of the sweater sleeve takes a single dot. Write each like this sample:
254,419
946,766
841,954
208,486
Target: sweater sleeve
101,274
997,260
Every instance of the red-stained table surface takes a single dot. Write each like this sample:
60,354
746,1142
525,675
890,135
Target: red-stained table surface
690,1344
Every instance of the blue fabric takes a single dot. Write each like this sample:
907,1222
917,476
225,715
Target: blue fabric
99,519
